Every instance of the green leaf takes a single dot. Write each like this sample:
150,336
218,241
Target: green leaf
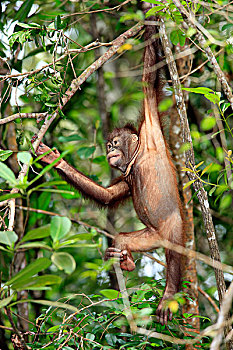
182,38
57,22
60,226
111,293
9,196
24,157
7,174
208,123
37,233
111,339
74,137
5,154
28,26
24,10
8,237
36,282
4,302
85,152
55,304
39,245
188,184
154,10
212,191
155,2
30,270
174,37
64,261
225,202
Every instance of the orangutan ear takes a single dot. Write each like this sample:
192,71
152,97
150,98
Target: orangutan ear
134,138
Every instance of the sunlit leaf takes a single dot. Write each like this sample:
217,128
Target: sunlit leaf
60,226
188,184
5,154
4,302
7,174
24,157
64,261
33,283
8,237
37,233
30,270
111,293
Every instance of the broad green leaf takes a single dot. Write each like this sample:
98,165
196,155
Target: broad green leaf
55,304
199,90
64,261
111,339
110,293
39,245
74,137
5,154
60,226
8,237
174,37
30,270
155,2
36,282
4,302
182,38
28,26
188,184
85,152
37,233
24,157
154,10
208,123
225,202
7,174
9,196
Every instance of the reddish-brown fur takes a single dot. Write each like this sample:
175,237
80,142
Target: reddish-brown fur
149,178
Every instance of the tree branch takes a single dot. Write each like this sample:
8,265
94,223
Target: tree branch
189,154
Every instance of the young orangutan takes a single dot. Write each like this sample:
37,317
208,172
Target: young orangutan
148,177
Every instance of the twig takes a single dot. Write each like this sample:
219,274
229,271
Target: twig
162,243
38,116
189,154
191,22
125,297
209,299
223,314
76,51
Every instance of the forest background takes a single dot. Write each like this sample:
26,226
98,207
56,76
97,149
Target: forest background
69,72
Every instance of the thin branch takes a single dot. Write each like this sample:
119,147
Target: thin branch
189,154
86,48
75,85
191,22
223,315
162,243
211,301
38,116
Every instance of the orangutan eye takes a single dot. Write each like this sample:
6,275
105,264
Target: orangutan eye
109,146
115,142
